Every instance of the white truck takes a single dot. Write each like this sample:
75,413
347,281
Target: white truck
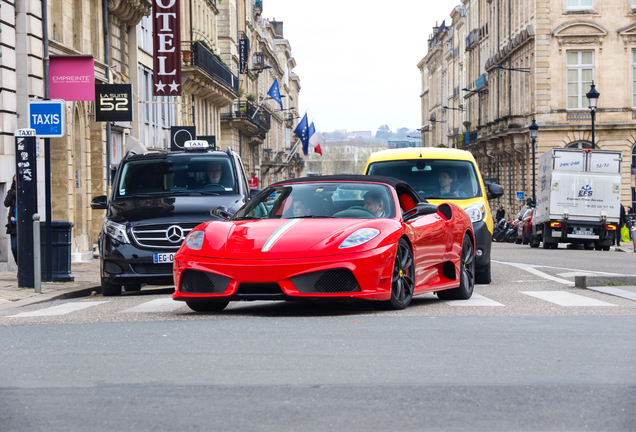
578,198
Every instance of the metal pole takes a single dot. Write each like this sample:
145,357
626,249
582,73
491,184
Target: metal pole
593,142
534,182
37,267
48,254
107,72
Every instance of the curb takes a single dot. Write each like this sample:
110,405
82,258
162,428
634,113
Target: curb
597,281
68,293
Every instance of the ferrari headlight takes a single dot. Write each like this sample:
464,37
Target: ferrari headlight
359,237
195,240
476,212
115,231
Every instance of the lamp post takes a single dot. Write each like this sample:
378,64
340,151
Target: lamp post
534,129
592,97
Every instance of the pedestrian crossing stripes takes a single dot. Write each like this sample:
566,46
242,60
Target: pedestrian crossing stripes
475,300
158,305
62,309
168,305
563,298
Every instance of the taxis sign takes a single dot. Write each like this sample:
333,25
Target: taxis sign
48,118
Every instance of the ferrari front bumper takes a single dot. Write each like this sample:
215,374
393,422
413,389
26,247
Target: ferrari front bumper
288,278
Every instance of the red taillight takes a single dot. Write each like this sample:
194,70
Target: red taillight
611,227
555,224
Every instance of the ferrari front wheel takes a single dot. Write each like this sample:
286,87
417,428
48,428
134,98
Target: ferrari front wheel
466,277
403,280
207,306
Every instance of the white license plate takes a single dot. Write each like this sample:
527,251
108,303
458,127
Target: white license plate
163,258
583,231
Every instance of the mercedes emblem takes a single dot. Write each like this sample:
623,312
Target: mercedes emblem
174,234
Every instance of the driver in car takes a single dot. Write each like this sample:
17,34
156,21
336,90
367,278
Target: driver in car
373,203
446,179
301,208
214,173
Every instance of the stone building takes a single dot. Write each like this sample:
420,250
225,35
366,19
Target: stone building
519,60
212,98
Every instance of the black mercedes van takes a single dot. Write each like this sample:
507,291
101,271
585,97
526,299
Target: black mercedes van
156,200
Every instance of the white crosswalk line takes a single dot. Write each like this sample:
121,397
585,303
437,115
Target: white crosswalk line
615,291
62,309
563,298
475,300
158,305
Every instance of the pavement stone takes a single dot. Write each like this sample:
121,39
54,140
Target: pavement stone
86,276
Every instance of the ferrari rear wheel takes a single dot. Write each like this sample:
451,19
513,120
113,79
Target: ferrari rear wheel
403,280
207,306
466,277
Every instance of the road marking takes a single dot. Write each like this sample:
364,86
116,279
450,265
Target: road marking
158,305
563,298
615,291
62,309
475,300
531,269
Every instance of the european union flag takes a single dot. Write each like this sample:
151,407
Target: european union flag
301,132
274,93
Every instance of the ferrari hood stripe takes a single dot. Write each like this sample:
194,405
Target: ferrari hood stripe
278,234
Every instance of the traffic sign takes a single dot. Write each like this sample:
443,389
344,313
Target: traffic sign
48,118
521,196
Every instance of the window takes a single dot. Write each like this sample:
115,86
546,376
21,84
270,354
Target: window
634,76
580,4
154,118
580,145
580,74
144,34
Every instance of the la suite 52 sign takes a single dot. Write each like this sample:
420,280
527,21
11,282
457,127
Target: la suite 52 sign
167,47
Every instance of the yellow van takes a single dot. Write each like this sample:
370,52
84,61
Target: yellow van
445,175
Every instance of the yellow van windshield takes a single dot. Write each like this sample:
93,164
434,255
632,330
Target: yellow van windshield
433,178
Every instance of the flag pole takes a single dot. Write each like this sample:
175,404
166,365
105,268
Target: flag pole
259,107
293,150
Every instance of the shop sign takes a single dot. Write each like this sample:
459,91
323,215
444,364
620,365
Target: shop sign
72,78
167,48
113,102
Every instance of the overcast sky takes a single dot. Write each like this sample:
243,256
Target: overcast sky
357,59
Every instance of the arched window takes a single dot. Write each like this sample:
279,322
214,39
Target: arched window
580,145
634,157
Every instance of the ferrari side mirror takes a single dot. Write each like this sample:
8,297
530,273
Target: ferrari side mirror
420,209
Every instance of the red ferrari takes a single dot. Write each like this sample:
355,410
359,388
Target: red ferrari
330,237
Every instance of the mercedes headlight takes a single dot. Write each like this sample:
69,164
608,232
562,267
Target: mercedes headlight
195,240
115,231
359,237
476,212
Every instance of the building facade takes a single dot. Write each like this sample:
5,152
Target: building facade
214,99
516,61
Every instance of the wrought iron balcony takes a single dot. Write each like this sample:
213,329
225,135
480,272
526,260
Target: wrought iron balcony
204,59
258,7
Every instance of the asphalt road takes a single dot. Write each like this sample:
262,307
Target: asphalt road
140,362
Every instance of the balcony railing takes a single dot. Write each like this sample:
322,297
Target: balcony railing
579,116
205,60
470,137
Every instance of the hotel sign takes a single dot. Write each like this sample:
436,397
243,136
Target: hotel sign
167,47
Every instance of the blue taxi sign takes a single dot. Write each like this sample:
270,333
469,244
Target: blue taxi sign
48,118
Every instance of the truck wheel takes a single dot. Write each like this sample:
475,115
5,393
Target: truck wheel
534,241
606,248
482,274
547,245
588,246
109,289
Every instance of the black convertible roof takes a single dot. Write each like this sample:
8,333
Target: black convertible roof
399,185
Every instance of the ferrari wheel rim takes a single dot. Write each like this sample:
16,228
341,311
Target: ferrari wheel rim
402,283
468,263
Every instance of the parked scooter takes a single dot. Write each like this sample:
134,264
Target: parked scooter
511,233
499,230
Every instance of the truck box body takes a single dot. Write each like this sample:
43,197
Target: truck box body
578,195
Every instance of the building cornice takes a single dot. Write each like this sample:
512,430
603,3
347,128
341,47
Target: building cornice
130,11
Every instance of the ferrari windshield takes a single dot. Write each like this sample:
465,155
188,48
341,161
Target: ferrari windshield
177,175
344,200
433,178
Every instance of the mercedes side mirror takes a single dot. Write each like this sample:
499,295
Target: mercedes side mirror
221,213
494,191
99,202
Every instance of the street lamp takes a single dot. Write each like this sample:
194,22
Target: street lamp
534,129
454,109
592,97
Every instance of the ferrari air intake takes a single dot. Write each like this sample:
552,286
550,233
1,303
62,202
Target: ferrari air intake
327,281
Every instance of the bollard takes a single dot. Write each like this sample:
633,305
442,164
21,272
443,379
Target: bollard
633,232
37,276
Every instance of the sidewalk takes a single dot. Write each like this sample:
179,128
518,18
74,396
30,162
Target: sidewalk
86,278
